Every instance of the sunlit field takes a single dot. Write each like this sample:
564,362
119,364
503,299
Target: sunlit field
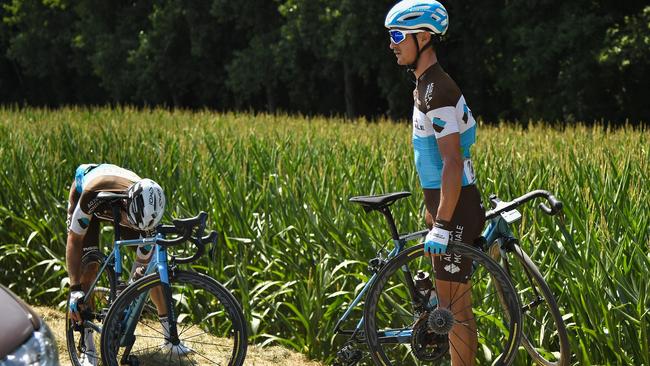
292,248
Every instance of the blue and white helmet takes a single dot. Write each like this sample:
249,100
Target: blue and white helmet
145,204
429,16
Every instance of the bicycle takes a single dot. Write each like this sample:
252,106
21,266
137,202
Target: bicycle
402,322
545,337
201,314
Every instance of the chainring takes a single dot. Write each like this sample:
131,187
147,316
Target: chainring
427,345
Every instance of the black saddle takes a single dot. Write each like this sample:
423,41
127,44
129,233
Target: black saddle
370,203
110,196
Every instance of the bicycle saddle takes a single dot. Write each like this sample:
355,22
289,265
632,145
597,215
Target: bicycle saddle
108,196
377,202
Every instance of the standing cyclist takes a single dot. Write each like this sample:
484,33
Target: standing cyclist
141,212
443,132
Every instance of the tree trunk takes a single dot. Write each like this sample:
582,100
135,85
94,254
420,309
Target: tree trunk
348,81
270,98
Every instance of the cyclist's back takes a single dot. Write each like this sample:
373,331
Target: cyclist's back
84,207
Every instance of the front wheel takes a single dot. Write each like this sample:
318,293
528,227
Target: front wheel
210,325
545,337
404,328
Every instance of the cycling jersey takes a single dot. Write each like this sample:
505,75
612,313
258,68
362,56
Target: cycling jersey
90,180
440,109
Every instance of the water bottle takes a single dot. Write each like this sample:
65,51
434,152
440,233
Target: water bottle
425,287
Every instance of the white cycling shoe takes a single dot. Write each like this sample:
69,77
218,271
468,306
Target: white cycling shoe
90,357
176,350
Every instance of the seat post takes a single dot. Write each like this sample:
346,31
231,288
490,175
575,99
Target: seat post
117,217
391,222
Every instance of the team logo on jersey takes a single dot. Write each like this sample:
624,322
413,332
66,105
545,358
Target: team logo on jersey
428,95
466,113
452,268
438,124
83,222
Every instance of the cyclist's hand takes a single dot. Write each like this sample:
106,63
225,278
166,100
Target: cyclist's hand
76,300
436,241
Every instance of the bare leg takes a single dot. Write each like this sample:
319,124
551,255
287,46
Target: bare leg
463,338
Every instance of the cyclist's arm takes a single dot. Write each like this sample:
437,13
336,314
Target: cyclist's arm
447,135
78,222
73,253
452,175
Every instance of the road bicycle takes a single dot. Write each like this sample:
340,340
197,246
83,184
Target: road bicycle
544,336
403,323
203,322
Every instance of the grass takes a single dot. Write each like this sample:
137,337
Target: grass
294,251
256,355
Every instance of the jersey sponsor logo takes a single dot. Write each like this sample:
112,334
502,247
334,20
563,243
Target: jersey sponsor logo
428,95
452,268
468,167
92,205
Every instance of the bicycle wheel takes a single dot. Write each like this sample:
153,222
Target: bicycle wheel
210,323
544,333
83,342
394,315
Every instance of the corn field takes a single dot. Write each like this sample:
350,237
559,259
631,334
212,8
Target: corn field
292,248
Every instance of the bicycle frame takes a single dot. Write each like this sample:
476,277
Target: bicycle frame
399,336
158,262
496,229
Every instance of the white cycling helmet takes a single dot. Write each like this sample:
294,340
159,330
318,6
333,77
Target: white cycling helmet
145,205
418,15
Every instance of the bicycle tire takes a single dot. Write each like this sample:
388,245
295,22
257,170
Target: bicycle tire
411,258
528,342
181,283
106,289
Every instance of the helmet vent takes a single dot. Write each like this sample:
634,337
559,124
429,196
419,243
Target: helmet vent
410,16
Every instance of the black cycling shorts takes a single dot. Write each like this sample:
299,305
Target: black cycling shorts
467,223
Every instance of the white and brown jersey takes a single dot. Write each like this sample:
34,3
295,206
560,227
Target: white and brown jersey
440,109
90,180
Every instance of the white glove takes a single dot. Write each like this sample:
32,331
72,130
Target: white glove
436,240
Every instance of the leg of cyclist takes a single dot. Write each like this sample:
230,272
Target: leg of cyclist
453,272
143,257
88,275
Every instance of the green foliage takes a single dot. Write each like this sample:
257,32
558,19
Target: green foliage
514,60
294,251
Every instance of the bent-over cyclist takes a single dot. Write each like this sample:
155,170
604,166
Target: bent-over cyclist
141,212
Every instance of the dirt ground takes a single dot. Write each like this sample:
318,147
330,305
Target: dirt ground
256,356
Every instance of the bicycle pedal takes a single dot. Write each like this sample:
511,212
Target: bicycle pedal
349,356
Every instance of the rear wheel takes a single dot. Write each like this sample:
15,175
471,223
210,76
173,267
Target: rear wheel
83,341
211,326
544,332
405,328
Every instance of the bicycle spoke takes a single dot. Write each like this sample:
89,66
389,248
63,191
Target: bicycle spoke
150,327
205,357
187,328
196,335
188,357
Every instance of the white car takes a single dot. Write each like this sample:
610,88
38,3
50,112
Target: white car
25,339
